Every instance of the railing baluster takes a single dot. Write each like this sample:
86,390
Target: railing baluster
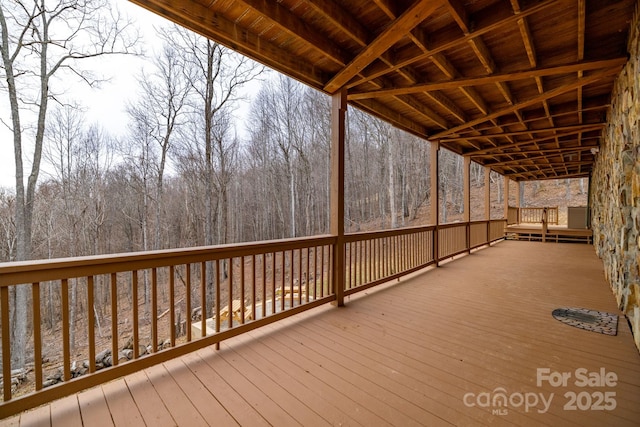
358,263
6,342
203,300
66,351
253,286
315,273
114,318
264,285
282,279
187,297
230,291
322,271
307,278
353,272
154,310
273,282
242,290
217,277
91,323
37,335
291,274
172,308
299,263
134,312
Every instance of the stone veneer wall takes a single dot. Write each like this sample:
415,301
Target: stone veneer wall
615,188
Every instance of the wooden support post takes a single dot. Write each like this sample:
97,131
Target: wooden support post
435,199
466,173
338,113
589,201
518,201
505,194
487,200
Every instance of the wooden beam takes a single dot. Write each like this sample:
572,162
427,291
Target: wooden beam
482,53
581,28
339,17
544,172
214,26
423,110
413,54
548,153
289,23
389,7
338,126
527,39
581,128
532,101
459,14
616,63
446,104
398,29
499,149
383,112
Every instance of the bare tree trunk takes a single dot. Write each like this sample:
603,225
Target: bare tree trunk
392,182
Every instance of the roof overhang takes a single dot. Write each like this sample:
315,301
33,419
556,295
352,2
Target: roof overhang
521,86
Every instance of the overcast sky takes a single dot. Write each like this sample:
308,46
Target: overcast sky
105,105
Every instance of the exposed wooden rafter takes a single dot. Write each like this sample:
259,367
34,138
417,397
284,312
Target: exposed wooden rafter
394,32
493,78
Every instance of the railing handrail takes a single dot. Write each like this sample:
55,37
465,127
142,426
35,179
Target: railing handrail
361,235
19,272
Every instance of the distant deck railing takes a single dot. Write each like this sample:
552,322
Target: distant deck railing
531,215
197,297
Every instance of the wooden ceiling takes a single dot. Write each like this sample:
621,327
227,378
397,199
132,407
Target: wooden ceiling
522,86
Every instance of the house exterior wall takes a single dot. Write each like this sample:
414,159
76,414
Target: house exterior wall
615,195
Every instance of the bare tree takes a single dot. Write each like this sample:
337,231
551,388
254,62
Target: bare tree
160,109
7,225
215,75
38,41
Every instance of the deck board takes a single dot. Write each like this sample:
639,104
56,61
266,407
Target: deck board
65,412
200,397
94,408
404,353
233,402
150,404
176,401
123,409
272,388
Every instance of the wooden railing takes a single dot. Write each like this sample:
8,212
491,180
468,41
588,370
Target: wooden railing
376,257
532,215
153,306
513,215
194,298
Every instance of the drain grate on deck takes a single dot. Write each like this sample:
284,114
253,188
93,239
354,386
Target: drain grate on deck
590,320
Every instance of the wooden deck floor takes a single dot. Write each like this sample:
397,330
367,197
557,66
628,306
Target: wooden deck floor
409,353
